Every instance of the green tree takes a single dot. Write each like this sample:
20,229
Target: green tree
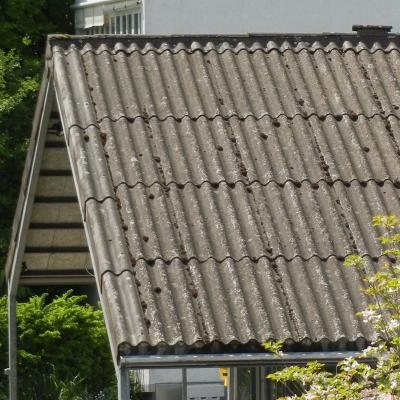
24,25
63,348
355,378
17,94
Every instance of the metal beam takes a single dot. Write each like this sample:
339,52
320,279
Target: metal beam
72,278
123,384
232,387
232,360
56,199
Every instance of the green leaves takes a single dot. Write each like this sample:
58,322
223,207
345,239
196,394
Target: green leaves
355,261
60,338
24,25
274,347
26,40
386,221
17,95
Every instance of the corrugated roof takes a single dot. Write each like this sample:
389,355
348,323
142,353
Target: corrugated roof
224,179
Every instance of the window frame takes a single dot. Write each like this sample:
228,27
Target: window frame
126,21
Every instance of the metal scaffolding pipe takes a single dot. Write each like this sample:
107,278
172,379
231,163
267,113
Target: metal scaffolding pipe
233,360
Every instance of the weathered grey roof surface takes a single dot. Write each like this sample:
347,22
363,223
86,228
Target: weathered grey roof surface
224,179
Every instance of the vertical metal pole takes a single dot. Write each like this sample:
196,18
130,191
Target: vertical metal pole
263,389
230,383
257,382
12,346
184,384
232,388
123,384
235,384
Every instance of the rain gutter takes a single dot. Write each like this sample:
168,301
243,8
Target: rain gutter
234,360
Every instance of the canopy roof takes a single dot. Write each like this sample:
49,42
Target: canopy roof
223,180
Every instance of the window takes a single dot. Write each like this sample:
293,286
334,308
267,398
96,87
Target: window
115,18
252,384
94,30
124,22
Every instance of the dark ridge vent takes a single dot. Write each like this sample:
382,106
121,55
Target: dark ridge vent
372,29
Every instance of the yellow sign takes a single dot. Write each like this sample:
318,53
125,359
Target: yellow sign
223,374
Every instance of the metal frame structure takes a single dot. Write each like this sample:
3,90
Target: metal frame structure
124,388
126,363
123,364
49,96
230,360
233,359
16,266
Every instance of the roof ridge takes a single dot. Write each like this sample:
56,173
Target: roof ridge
232,50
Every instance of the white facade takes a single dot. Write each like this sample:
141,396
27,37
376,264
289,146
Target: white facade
234,16
265,16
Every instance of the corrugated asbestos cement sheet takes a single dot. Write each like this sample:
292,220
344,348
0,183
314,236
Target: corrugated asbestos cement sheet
224,181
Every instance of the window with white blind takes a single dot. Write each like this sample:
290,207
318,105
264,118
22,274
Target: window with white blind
124,23
110,19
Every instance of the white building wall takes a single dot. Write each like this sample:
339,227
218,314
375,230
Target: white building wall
255,16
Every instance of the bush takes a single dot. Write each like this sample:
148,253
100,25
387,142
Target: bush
62,348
